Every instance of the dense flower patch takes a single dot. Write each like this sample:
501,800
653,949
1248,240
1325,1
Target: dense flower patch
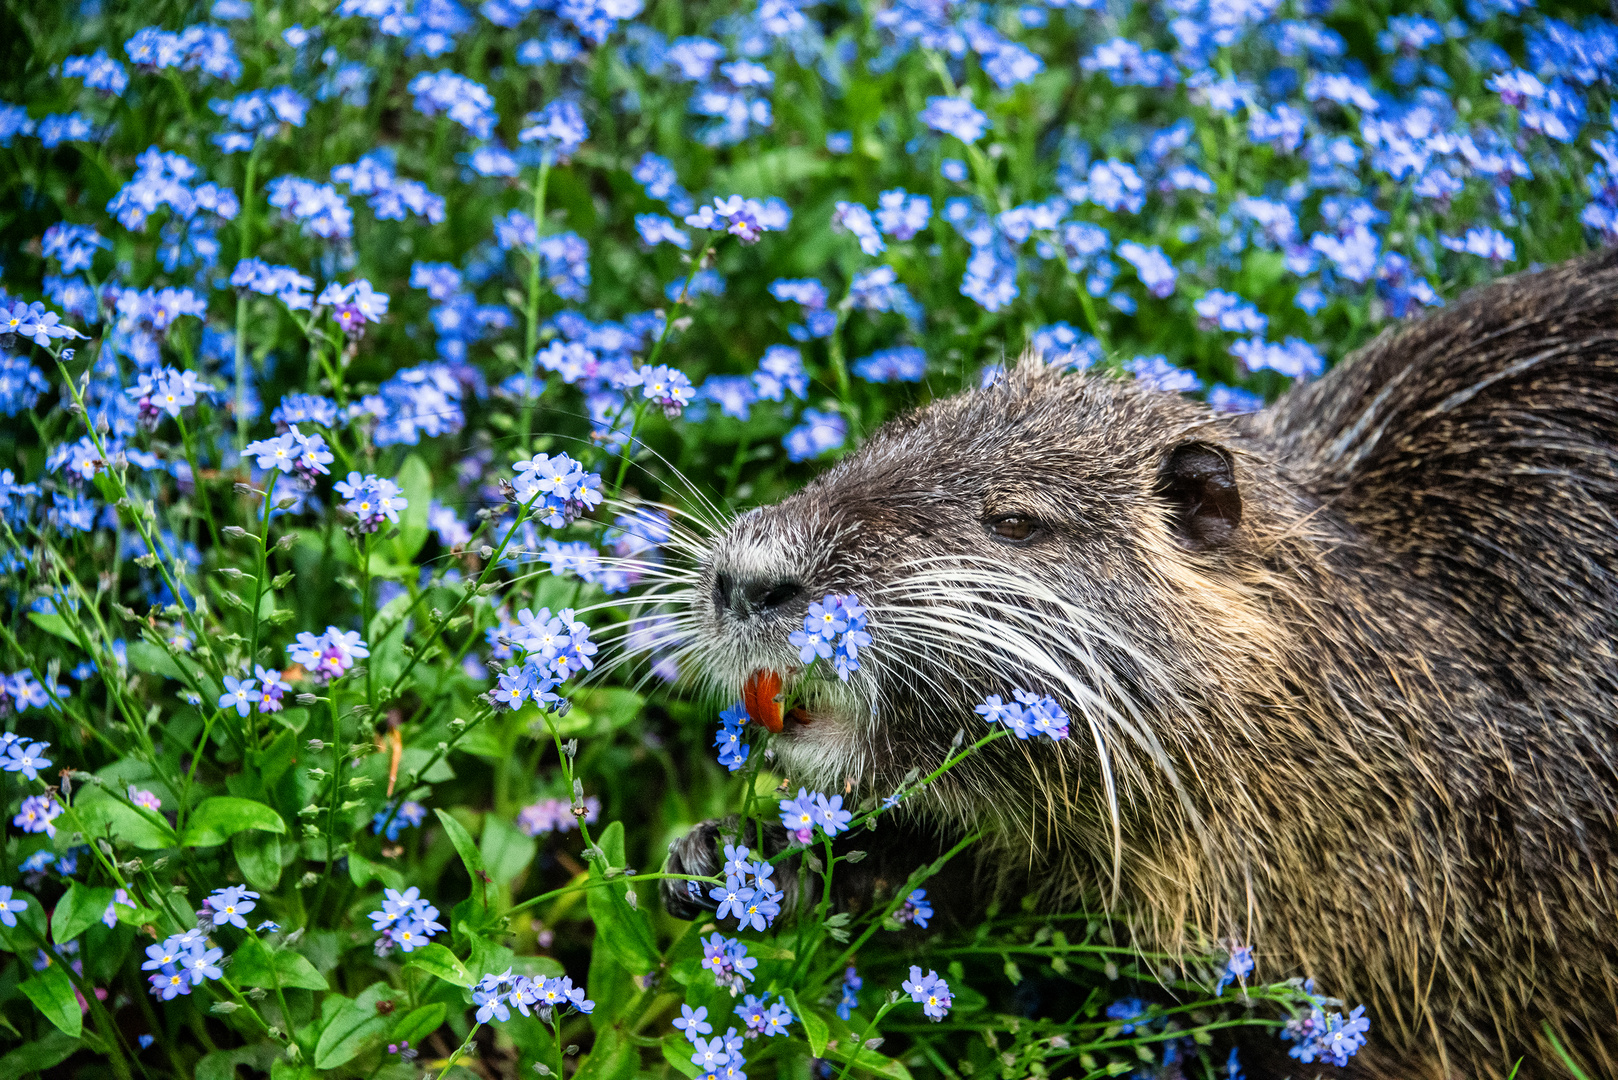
369,367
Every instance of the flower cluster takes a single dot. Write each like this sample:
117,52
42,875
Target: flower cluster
304,456
181,962
762,1017
930,992
406,921
371,499
551,648
1028,715
749,893
728,740
915,909
394,818
849,998
834,628
728,960
496,995
557,815
746,219
812,810
327,656
559,488
37,814
1330,1038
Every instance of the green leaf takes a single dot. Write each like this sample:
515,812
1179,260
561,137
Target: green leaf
223,816
39,1055
506,850
25,937
677,1052
624,929
283,1069
104,815
259,856
469,855
52,994
417,1024
416,481
362,871
79,908
144,656
222,1064
814,1028
438,961
612,1058
255,964
53,623
354,1025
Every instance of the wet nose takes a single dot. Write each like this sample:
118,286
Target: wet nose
752,597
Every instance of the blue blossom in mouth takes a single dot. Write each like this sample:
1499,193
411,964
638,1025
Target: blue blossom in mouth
955,116
930,992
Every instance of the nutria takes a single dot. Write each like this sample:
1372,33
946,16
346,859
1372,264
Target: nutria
1342,672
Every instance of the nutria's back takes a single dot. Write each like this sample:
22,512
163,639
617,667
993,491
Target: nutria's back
1342,672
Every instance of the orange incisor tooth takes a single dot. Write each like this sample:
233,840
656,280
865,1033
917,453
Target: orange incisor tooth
761,696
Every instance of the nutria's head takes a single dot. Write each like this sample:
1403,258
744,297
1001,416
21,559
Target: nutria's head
1074,535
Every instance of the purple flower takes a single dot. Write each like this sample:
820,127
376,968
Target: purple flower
25,757
693,1023
228,906
955,116
929,991
239,694
798,816
36,814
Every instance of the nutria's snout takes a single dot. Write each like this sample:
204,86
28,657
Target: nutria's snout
751,596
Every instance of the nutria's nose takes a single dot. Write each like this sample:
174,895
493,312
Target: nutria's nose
749,598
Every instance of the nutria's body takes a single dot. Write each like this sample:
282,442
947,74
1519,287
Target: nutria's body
1349,662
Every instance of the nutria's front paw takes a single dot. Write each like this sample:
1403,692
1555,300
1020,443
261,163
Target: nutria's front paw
697,852
701,852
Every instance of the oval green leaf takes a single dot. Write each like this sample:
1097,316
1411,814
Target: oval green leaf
354,1025
438,961
52,994
223,816
78,909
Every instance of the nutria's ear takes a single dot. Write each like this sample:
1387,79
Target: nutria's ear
1198,482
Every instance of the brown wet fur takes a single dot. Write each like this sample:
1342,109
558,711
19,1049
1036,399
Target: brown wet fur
1369,729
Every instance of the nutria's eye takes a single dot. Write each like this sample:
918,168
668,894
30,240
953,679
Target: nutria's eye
1013,526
